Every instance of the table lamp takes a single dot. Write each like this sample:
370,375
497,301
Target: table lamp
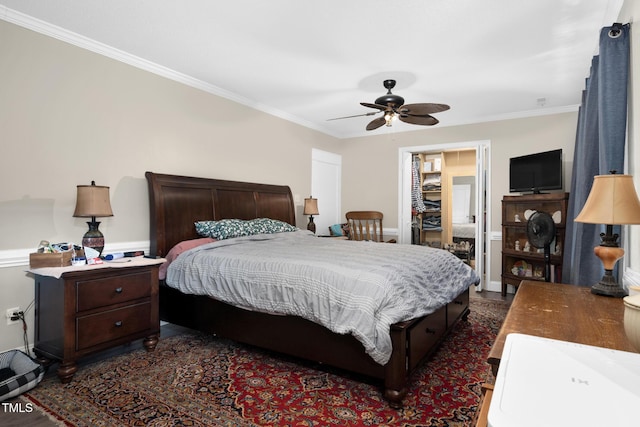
93,201
311,209
612,201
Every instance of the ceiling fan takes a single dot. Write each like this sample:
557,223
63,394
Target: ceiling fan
393,106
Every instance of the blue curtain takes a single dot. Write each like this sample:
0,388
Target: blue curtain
599,149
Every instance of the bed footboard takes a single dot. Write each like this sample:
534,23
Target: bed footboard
416,340
413,341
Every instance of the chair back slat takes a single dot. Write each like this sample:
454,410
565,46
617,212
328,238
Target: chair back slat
365,225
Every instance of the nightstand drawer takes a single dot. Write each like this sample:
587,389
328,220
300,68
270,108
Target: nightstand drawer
106,291
110,325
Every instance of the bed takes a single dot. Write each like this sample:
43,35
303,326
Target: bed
466,231
177,202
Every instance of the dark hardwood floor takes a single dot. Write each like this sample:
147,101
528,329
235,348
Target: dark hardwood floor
490,295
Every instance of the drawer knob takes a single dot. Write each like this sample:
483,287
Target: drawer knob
430,331
118,323
458,302
118,290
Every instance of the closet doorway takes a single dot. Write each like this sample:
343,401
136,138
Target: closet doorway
458,210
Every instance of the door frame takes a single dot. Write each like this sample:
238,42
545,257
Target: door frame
483,197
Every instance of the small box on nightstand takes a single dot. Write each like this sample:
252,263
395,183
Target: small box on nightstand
58,259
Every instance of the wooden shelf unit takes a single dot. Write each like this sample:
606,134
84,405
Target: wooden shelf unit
432,174
514,208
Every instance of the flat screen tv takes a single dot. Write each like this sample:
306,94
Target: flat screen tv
536,172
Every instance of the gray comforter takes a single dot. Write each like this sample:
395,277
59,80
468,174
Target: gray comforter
358,288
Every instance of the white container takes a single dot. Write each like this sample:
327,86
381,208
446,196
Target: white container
634,290
78,261
632,319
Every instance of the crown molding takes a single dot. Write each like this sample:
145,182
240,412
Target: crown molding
86,43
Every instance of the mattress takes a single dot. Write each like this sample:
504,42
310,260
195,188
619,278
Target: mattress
350,287
464,231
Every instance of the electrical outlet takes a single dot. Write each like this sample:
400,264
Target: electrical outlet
10,312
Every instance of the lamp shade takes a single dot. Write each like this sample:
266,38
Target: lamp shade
93,201
612,200
310,206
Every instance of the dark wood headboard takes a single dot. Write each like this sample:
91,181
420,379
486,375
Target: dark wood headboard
176,202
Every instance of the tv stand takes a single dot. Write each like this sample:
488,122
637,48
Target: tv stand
517,263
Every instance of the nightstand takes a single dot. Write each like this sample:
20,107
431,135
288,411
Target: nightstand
84,311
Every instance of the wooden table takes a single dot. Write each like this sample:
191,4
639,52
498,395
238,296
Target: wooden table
564,312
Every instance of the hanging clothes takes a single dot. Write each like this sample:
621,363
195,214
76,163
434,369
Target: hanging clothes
417,204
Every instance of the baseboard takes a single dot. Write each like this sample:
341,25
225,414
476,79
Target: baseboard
493,286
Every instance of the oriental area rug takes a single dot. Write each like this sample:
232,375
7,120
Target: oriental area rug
192,379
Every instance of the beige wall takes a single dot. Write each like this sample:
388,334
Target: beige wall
69,116
371,162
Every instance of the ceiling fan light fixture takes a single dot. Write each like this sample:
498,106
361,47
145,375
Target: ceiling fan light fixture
389,117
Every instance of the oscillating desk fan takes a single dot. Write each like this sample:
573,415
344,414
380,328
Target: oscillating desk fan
541,230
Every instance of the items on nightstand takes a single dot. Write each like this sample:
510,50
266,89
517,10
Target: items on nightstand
92,255
54,255
93,201
77,261
311,209
612,201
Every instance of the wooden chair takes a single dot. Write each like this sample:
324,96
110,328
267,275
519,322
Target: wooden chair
365,225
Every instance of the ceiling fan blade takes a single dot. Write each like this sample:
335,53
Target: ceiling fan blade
357,115
378,106
376,123
425,120
422,109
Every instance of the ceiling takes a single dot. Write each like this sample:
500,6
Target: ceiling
312,61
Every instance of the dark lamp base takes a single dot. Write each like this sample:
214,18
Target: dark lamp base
608,286
93,238
312,225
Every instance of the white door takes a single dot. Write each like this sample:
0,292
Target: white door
326,182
